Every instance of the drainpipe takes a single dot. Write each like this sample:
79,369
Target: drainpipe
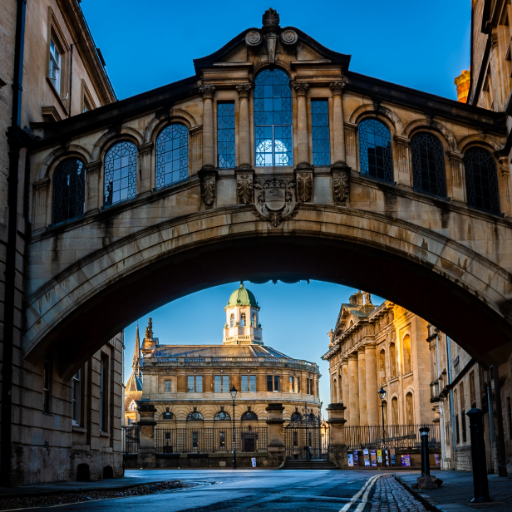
16,140
452,415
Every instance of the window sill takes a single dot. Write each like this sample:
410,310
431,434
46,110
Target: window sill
408,375
78,429
57,95
104,434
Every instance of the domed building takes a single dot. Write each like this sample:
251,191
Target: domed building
189,385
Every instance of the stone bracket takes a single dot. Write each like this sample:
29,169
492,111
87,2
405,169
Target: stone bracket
340,182
208,179
304,181
245,185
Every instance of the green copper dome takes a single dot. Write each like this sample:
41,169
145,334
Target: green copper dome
242,297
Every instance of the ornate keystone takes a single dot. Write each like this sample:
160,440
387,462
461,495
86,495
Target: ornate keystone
301,88
207,91
244,187
337,87
243,90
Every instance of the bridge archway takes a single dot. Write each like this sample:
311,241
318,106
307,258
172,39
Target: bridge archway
439,279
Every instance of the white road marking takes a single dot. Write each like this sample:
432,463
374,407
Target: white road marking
356,496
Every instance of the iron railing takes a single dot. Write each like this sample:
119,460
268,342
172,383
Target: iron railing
306,443
131,438
396,436
211,439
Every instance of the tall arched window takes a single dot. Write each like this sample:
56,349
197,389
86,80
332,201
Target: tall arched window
394,410
375,155
120,173
382,366
273,119
407,355
409,409
428,164
171,155
481,180
68,190
242,320
232,320
392,360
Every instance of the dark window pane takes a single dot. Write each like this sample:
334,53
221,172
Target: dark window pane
226,135
481,180
171,155
428,164
68,190
320,132
375,154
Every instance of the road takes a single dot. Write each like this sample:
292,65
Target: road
219,490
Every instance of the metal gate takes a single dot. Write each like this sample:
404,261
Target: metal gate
306,438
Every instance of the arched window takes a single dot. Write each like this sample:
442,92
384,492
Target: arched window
171,155
385,410
296,416
194,416
232,320
167,415
382,366
392,360
334,391
429,174
242,320
375,154
254,321
481,180
407,355
273,119
394,410
222,415
68,190
409,409
120,173
249,415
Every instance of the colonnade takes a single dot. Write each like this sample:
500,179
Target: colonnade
359,386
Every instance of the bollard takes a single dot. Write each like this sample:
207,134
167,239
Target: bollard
480,483
425,452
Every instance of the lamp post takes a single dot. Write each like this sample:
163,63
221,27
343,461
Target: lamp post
382,395
233,392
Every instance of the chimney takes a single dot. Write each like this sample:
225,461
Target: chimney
463,82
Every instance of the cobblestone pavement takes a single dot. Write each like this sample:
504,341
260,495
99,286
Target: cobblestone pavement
390,496
457,491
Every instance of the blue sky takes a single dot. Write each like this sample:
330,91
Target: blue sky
423,45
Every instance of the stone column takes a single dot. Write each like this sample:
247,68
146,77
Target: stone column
147,449
458,185
244,131
504,185
337,445
403,159
145,167
92,200
353,390
276,446
361,366
301,89
372,408
338,131
346,387
208,173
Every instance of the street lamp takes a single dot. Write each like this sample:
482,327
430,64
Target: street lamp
382,395
233,392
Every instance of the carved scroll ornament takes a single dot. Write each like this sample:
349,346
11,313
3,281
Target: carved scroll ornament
208,188
244,186
304,187
341,185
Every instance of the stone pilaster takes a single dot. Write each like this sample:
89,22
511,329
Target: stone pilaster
353,390
145,167
92,200
403,161
276,446
301,89
504,185
147,450
345,387
457,174
244,133
41,195
338,130
372,408
337,445
361,366
208,151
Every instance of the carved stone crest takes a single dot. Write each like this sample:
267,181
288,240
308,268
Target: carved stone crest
244,186
304,187
341,184
275,198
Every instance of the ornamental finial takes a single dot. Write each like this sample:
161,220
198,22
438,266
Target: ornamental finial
270,18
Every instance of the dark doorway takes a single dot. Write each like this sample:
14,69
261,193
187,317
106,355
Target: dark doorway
249,444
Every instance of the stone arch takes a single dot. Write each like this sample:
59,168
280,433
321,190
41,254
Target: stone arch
156,125
283,66
112,137
167,253
55,157
479,139
385,114
447,137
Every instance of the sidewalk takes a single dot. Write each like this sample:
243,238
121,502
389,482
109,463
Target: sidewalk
457,491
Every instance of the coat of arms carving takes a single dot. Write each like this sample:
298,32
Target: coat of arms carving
275,198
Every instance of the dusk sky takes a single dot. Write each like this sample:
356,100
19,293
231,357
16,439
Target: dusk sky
423,45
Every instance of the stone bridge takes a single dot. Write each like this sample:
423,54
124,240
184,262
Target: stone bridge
436,252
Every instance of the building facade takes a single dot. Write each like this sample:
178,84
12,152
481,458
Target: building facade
189,385
380,347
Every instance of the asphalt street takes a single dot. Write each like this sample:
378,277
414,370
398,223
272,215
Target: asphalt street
248,489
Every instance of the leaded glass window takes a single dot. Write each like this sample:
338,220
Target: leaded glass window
226,135
68,190
481,180
171,155
120,173
428,164
320,131
222,415
273,119
375,154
